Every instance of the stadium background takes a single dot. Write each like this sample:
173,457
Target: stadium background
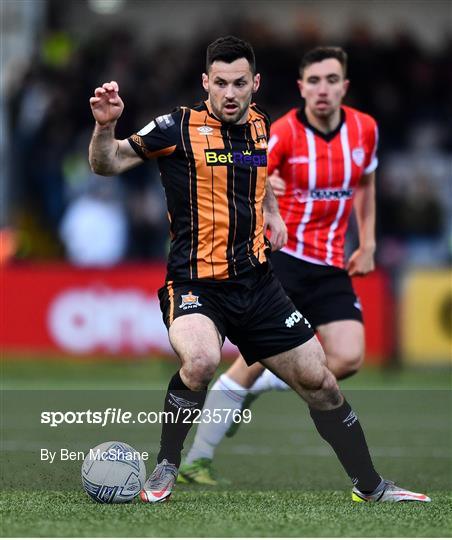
55,212
82,257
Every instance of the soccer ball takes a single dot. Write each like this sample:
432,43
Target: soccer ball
113,472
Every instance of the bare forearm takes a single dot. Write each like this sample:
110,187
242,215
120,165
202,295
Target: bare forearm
365,215
104,150
270,201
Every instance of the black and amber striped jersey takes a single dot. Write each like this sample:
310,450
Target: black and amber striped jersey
214,175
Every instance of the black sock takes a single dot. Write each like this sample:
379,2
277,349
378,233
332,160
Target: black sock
183,405
341,429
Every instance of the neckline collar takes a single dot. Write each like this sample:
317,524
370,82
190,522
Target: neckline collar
301,116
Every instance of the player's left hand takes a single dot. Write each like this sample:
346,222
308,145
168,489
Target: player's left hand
361,262
274,223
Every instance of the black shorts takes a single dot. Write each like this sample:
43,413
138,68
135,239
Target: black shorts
254,312
323,294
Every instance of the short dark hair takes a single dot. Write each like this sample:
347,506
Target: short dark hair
230,48
323,53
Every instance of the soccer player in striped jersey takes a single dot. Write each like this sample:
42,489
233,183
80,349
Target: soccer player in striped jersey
322,162
213,163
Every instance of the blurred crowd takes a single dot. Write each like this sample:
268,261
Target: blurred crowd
62,210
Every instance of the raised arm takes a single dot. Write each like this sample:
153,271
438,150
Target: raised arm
109,156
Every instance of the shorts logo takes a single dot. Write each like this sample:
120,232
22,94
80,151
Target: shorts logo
357,304
358,156
243,158
205,130
295,318
189,301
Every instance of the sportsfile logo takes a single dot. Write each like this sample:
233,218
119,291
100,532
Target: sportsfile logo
243,158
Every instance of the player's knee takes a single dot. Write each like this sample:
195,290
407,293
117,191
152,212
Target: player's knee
199,371
347,363
326,395
330,387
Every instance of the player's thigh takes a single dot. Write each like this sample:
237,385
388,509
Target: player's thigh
243,374
302,367
196,340
192,313
342,341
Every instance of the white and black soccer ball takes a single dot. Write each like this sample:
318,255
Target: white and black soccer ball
113,472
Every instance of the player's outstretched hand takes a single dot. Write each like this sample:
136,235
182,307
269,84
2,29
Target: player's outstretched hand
106,104
277,183
361,262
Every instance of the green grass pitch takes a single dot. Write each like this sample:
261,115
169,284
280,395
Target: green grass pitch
285,481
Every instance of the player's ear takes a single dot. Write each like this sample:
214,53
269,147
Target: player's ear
256,82
345,87
205,82
300,86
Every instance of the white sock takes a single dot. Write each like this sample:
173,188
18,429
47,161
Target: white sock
268,381
225,396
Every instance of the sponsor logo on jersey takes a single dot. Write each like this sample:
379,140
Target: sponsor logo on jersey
322,194
243,158
189,301
205,130
147,128
358,156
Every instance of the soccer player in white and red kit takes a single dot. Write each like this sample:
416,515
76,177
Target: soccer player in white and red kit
322,161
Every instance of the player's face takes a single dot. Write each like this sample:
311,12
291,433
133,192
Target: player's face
323,87
230,88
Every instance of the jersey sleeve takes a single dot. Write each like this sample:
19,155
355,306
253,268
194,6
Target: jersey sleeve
276,147
158,138
371,162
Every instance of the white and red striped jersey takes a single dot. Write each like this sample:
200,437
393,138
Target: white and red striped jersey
321,173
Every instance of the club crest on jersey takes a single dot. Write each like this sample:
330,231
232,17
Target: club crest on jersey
358,156
205,130
189,301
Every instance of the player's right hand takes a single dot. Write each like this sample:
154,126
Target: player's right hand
106,104
277,183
